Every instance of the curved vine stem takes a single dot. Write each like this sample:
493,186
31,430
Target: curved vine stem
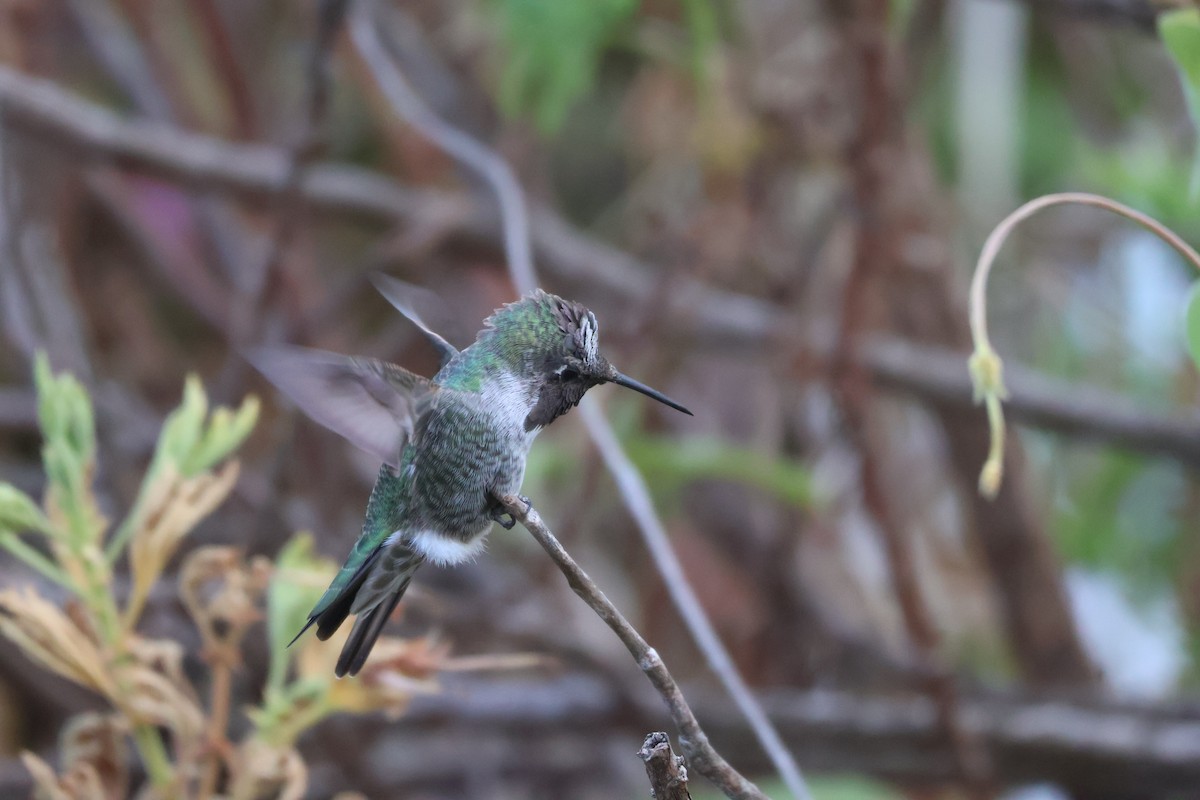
985,366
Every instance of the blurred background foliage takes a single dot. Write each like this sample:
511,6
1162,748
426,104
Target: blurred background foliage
737,189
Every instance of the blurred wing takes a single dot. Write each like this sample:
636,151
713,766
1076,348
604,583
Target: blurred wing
405,297
372,403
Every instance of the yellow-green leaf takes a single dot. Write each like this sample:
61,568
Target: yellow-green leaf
1191,320
299,581
1180,33
18,512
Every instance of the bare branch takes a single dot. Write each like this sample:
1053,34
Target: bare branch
475,155
700,754
1093,748
666,771
730,321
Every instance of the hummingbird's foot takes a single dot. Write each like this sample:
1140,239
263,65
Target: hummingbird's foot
505,519
499,515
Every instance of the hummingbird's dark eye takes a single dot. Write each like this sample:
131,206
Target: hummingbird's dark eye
568,374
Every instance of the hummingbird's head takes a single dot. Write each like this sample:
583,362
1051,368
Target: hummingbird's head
556,343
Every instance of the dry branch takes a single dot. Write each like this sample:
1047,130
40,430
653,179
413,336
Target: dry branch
730,320
666,771
700,754
1099,748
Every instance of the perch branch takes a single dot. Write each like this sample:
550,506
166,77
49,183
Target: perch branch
692,739
518,249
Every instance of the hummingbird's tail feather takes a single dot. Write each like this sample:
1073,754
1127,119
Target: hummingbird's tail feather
330,618
366,632
334,607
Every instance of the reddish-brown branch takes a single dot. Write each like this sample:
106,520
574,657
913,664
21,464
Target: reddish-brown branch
225,62
872,156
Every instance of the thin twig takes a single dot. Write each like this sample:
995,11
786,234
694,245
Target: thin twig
515,224
876,241
692,739
225,64
985,365
637,499
475,155
999,234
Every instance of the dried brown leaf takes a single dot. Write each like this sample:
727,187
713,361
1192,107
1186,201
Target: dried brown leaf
46,785
99,742
224,596
158,693
264,770
49,637
173,505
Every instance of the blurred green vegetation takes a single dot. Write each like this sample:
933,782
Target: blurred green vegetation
1180,33
823,787
671,464
552,52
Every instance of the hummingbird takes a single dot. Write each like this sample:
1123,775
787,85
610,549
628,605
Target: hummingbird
451,446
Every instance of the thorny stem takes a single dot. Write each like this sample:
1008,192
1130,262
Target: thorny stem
985,366
692,739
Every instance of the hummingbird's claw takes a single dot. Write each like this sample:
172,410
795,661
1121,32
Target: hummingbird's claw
499,515
505,519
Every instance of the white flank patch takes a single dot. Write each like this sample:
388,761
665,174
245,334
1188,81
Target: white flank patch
444,550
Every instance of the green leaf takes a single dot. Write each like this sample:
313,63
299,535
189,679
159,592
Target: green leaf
189,445
299,581
553,49
64,411
1180,33
1192,322
673,463
18,512
69,449
183,428
227,430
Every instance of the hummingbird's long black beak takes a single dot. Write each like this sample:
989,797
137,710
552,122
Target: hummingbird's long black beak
637,386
